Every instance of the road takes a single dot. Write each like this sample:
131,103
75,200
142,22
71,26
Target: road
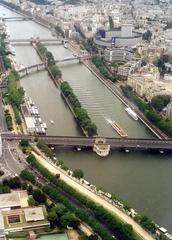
12,158
53,169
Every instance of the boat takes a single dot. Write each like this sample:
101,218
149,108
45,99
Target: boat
101,147
131,113
65,45
52,122
118,129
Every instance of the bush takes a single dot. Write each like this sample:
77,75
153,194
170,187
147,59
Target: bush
78,173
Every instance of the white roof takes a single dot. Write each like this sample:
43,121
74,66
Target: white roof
34,214
163,229
8,200
29,122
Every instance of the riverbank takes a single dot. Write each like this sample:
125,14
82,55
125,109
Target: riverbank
111,86
53,169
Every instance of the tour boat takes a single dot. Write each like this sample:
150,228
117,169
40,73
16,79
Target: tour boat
131,113
118,129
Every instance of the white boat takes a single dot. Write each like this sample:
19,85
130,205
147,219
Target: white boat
65,45
131,113
52,122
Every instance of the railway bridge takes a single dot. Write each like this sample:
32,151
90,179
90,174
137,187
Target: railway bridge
83,142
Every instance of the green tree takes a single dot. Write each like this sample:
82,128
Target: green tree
27,176
24,143
50,59
78,173
52,218
160,101
55,71
111,23
93,237
69,219
39,196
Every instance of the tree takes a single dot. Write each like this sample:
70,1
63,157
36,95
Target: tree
160,101
13,183
111,23
147,35
27,176
60,210
78,173
69,219
148,224
93,237
39,196
50,59
24,143
30,189
55,71
52,218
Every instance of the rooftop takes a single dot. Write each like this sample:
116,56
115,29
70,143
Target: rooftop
9,200
34,214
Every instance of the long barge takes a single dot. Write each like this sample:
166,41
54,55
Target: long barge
118,129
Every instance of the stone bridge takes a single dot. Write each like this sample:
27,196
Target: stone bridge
29,41
24,18
42,66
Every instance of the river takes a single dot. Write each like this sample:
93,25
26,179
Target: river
142,179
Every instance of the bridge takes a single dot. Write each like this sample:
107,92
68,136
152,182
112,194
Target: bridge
28,41
115,143
16,18
42,66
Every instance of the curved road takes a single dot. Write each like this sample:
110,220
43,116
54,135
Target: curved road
124,217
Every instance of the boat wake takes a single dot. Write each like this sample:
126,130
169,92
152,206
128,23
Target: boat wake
108,120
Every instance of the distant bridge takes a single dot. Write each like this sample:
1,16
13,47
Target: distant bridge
42,66
16,18
28,41
115,143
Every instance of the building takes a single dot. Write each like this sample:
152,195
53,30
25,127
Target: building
118,54
123,36
16,215
145,81
123,70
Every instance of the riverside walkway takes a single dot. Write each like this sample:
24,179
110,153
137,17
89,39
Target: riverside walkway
93,196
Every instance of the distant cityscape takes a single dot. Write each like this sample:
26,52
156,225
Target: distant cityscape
84,75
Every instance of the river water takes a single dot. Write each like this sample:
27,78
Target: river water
142,179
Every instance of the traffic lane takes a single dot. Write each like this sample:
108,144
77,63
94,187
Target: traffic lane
11,161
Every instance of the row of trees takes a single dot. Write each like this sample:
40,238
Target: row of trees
8,119
57,197
3,53
15,94
121,230
45,149
162,123
48,57
82,116
59,216
98,62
